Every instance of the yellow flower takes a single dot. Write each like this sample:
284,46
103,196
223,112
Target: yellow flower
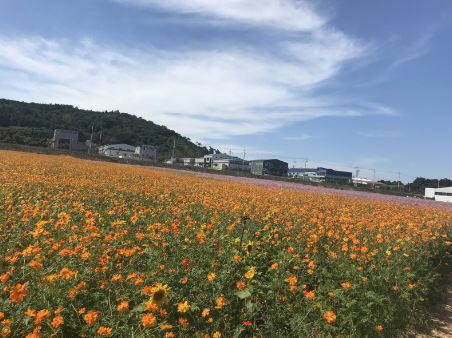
205,312
211,276
249,247
220,301
250,273
183,307
159,294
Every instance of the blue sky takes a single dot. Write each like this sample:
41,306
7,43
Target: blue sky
345,84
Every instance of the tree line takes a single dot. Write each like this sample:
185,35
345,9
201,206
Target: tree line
33,124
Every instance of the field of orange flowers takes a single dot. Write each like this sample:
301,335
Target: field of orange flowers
97,249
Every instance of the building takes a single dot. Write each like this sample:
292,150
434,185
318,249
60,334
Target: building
335,175
365,181
211,158
305,173
233,163
146,152
439,194
199,162
118,150
271,167
127,151
321,174
67,139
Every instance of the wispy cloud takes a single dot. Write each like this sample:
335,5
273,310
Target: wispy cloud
283,14
381,133
200,92
302,137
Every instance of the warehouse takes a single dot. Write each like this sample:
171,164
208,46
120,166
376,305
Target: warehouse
439,194
321,174
271,167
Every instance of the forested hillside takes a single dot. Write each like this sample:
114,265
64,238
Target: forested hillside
33,124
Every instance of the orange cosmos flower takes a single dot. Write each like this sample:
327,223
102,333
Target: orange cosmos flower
240,285
41,315
91,317
104,331
211,276
122,307
28,313
310,295
6,331
183,321
251,272
166,327
220,302
150,306
329,316
346,285
148,320
205,312
18,293
59,310
57,321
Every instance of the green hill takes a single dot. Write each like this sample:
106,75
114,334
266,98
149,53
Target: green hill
33,124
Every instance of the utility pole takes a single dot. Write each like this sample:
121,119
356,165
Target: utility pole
230,152
306,163
375,176
398,181
100,137
244,154
357,172
294,163
174,147
91,140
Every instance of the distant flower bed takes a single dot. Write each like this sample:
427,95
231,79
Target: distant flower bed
97,249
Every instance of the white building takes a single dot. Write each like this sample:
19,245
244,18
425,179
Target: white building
231,164
439,194
128,151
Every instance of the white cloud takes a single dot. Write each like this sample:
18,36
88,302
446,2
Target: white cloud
301,137
282,14
381,133
204,94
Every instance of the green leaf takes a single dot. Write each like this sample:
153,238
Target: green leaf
250,307
139,308
238,331
242,294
